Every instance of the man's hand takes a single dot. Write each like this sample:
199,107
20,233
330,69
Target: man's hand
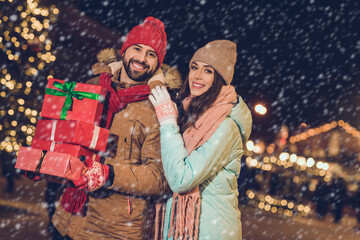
33,176
165,109
96,175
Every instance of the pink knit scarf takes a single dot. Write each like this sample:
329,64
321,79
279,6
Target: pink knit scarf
185,211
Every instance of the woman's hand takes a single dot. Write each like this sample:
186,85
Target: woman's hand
165,109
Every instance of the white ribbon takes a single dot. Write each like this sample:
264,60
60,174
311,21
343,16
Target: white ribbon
53,130
52,146
95,137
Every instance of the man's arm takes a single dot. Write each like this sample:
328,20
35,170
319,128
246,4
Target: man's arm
144,179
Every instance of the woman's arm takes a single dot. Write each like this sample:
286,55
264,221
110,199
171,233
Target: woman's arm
186,172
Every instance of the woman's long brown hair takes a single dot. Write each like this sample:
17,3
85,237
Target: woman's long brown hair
198,104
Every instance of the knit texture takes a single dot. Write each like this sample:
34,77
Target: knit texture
151,33
219,54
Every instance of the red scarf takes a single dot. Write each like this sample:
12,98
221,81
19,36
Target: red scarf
74,199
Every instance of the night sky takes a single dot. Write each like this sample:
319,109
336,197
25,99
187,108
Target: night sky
299,58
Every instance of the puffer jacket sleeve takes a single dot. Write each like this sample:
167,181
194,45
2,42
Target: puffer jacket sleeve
186,172
144,179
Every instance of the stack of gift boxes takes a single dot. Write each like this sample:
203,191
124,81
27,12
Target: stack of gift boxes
69,128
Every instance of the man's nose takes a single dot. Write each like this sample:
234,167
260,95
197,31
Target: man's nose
142,57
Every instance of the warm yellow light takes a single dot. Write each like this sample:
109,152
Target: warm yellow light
33,120
23,128
261,205
56,11
29,131
52,58
290,205
307,209
253,162
34,112
274,209
260,109
9,148
267,207
28,84
11,112
251,195
31,59
300,207
21,101
14,123
12,133
283,202
29,138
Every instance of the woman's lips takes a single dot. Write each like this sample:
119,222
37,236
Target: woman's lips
197,85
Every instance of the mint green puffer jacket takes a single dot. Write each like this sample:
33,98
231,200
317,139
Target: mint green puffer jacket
215,167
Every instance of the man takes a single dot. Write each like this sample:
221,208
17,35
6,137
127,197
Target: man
123,188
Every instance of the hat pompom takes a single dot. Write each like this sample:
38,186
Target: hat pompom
154,21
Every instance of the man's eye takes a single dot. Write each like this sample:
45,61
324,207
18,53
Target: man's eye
153,55
137,49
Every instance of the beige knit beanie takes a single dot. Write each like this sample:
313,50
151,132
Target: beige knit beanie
219,54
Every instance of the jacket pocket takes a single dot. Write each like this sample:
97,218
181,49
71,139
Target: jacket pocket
128,140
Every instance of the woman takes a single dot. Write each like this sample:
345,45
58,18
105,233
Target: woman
202,148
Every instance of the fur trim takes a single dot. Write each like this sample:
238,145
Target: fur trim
172,77
107,55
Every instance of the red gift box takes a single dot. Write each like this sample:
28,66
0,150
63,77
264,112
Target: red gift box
29,159
74,150
62,165
72,131
75,101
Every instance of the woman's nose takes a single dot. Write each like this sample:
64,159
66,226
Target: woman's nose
198,74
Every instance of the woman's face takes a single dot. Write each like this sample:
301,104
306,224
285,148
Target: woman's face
201,78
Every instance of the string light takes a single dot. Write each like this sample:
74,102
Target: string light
325,128
24,40
275,205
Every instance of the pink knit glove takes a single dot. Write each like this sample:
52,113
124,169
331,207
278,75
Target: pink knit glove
96,175
165,109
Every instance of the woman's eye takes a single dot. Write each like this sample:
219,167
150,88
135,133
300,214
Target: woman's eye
208,71
193,67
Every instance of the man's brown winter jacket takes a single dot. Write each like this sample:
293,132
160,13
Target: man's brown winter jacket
126,209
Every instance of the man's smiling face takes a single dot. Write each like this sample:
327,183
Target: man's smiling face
140,62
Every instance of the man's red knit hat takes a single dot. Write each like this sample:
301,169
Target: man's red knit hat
151,33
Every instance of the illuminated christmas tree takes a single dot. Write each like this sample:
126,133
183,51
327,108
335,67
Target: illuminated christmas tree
26,57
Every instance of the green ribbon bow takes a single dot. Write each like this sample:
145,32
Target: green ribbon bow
67,90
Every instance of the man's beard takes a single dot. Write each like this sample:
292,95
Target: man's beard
137,76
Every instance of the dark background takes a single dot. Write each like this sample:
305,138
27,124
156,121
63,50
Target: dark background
299,58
